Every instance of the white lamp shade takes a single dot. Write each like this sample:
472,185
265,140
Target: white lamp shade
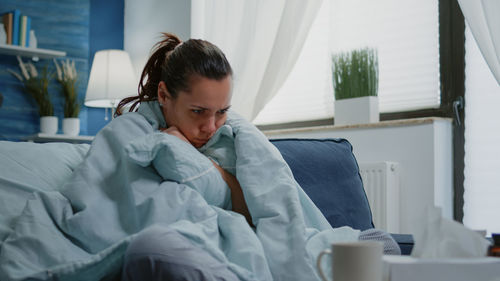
111,79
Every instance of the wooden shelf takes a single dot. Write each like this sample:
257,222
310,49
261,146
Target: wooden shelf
34,53
40,138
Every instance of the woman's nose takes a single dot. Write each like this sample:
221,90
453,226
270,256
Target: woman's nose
209,126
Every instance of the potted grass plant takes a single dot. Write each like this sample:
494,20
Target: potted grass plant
67,78
355,84
36,86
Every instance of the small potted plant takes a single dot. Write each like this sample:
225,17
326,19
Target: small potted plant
37,87
355,83
67,77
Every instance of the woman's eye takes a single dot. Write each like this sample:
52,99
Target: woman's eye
197,111
222,111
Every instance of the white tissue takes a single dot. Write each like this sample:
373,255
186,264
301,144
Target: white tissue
445,238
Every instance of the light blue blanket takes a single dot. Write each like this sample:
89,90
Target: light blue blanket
134,177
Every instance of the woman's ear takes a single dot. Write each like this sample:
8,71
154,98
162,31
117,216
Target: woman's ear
163,93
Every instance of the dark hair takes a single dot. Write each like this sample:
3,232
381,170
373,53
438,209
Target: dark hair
176,63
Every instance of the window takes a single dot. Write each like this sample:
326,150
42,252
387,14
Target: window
406,34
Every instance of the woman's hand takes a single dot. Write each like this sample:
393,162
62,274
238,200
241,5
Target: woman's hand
172,130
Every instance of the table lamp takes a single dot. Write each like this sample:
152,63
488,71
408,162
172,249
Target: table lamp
111,79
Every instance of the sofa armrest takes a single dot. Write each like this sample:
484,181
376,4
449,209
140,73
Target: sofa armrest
405,242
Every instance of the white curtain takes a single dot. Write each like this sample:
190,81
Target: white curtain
482,135
262,40
484,21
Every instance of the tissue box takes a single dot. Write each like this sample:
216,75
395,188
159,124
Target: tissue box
407,268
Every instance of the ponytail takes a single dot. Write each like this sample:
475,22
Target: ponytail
151,73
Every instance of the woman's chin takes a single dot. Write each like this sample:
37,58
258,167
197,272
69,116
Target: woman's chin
198,144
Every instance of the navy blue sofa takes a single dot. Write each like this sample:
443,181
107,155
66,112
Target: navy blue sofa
328,172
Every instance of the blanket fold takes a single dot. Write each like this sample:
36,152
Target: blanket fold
135,176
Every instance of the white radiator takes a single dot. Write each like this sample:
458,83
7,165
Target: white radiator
381,183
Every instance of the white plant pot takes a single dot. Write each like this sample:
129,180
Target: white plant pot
48,125
356,111
71,126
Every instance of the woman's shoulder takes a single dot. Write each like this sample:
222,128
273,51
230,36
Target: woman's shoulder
130,123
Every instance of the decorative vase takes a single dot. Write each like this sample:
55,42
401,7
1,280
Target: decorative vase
3,35
71,126
48,125
356,111
33,41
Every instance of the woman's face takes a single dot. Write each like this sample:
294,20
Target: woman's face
199,112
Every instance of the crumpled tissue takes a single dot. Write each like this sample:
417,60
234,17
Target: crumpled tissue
445,238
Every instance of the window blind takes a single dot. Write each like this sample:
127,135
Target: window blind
406,36
482,139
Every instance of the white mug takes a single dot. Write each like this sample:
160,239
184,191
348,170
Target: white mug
354,261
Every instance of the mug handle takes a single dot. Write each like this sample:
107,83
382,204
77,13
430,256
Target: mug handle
318,263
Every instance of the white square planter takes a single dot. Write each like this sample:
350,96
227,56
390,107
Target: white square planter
356,111
71,126
48,125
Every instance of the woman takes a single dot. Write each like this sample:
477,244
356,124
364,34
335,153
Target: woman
191,82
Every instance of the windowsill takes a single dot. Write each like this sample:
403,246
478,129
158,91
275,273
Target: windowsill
381,124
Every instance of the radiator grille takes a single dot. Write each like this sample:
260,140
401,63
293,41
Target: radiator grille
381,183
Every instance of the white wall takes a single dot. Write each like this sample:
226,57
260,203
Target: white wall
423,149
145,19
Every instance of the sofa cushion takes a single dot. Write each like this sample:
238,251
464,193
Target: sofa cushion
328,172
28,167
38,167
405,242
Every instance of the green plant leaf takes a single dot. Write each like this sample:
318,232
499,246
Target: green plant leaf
37,88
68,80
355,73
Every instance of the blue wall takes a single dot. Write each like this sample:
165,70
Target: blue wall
59,25
78,27
106,32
